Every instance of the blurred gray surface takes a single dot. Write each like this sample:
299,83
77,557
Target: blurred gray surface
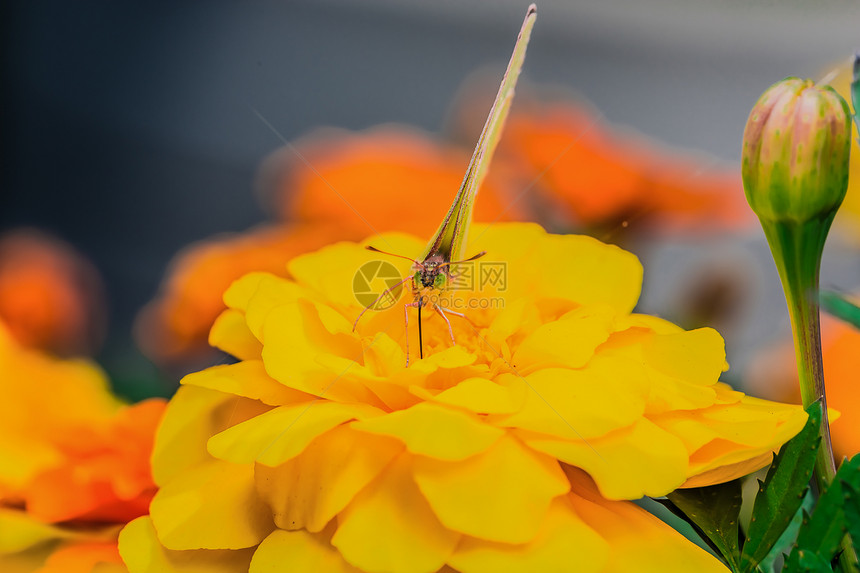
131,130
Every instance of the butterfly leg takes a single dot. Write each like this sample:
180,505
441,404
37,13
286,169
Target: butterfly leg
406,325
441,313
463,316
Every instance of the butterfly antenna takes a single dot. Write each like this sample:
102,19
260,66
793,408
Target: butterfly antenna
381,252
472,258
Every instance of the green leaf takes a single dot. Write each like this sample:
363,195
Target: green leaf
851,496
713,512
805,561
781,494
840,307
783,546
849,472
823,532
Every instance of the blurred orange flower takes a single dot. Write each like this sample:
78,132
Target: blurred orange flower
71,454
50,295
175,326
386,179
590,175
358,184
841,365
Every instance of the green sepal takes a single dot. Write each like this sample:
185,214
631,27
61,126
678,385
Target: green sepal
840,307
713,512
781,494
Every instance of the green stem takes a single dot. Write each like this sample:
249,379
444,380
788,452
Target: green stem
797,249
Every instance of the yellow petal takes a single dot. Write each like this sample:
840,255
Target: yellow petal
390,527
757,442
434,431
500,495
256,294
283,433
518,318
578,404
242,289
211,506
143,553
479,395
295,339
667,394
192,416
626,464
383,356
738,437
665,390
248,379
647,322
695,356
562,541
343,260
310,489
230,333
298,551
614,275
638,541
567,342
728,472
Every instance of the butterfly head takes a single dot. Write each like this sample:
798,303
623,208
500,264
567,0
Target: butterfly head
432,273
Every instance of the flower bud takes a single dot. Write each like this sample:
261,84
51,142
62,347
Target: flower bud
795,153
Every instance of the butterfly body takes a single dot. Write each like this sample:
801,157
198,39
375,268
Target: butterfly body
432,271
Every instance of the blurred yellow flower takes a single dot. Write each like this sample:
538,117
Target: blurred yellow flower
848,218
509,451
74,463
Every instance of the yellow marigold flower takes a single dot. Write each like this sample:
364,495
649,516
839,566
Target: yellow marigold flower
512,450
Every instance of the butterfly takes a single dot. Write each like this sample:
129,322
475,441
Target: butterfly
432,271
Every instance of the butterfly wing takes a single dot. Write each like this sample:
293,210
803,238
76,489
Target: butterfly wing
450,238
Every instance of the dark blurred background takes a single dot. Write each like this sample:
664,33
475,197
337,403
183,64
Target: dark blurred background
130,132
